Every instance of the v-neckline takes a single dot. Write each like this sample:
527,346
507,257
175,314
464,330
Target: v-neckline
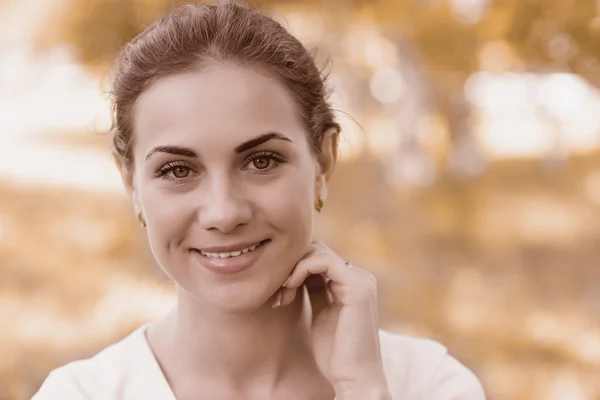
156,384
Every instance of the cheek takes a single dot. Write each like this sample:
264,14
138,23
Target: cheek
289,208
166,214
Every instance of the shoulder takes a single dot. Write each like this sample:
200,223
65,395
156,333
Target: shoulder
97,377
422,369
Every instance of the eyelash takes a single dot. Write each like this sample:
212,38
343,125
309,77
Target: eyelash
277,158
163,171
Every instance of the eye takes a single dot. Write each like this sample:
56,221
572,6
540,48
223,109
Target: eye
261,162
265,161
180,172
174,171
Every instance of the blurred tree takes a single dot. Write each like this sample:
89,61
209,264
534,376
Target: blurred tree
539,35
560,35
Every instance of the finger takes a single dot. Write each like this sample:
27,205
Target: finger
302,271
309,253
288,295
318,292
332,267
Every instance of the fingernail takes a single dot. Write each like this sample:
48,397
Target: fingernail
289,278
278,297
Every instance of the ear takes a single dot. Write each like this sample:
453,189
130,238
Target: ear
327,161
128,177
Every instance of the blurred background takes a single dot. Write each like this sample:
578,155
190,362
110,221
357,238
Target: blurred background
469,181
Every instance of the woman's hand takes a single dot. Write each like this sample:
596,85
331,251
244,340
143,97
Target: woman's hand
345,326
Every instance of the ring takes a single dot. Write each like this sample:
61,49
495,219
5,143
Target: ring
348,264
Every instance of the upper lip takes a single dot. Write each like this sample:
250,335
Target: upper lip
229,249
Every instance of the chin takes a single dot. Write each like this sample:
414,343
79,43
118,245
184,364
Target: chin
240,298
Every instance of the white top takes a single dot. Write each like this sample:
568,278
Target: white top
416,369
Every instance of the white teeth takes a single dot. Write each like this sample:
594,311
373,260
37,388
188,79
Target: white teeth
230,254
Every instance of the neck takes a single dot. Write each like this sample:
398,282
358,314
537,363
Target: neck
238,351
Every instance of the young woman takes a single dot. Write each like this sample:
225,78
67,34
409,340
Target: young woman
226,145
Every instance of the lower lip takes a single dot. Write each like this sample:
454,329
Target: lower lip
230,265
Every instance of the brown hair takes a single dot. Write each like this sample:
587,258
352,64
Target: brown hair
193,34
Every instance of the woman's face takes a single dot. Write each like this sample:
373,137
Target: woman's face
222,163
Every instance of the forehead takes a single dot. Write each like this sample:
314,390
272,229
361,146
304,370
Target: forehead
217,104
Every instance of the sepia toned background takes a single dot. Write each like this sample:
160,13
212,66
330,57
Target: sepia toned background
469,181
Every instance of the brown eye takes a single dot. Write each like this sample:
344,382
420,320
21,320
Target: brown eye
180,172
261,162
264,162
176,172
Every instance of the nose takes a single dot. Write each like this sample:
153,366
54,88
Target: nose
225,206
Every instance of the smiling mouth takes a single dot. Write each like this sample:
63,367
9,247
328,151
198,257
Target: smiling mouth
232,254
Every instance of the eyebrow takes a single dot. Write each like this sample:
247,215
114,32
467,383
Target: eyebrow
177,150
186,152
257,141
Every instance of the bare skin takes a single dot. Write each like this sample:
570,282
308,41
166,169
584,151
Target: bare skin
292,376
225,339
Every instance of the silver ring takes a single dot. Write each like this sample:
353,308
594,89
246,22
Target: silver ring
348,264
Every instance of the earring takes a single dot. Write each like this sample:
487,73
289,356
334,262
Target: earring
320,204
141,219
